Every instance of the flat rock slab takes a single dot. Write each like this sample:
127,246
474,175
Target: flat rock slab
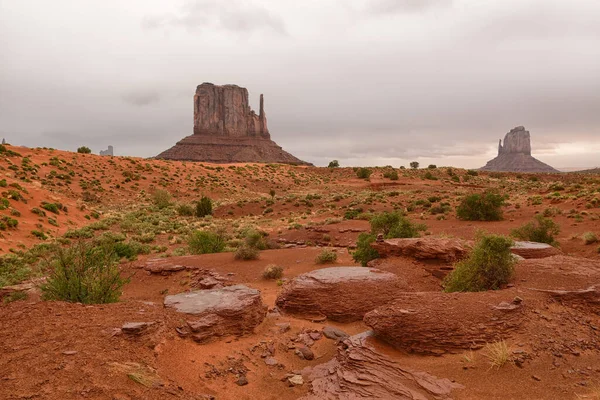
339,293
361,371
232,310
162,266
437,323
534,250
427,248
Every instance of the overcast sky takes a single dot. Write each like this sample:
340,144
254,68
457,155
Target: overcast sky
368,82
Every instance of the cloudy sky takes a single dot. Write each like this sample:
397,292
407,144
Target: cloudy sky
368,82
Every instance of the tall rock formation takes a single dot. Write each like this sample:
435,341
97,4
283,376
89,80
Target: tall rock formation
515,154
227,130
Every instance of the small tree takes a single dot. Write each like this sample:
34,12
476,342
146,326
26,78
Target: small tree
272,193
414,165
432,166
333,164
364,252
84,150
204,207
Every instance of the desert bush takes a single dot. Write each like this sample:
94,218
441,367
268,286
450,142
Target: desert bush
255,239
205,242
391,174
246,252
589,238
161,198
363,173
540,230
472,172
84,150
489,266
273,271
481,207
333,164
185,210
432,166
414,165
395,225
52,207
204,207
364,252
326,257
84,274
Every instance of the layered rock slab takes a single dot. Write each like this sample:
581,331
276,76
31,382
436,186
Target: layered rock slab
515,155
428,248
361,371
227,130
339,293
232,310
534,250
438,323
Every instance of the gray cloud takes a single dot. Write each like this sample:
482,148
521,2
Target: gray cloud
232,15
141,97
404,6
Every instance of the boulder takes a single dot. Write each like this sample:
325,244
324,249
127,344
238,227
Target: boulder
427,248
227,130
232,310
436,323
534,250
339,293
361,371
162,266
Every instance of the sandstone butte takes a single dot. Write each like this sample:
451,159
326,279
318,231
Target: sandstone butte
227,130
515,155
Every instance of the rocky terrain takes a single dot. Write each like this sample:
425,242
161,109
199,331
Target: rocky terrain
227,130
515,154
217,326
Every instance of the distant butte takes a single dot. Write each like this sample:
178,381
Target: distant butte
515,155
227,130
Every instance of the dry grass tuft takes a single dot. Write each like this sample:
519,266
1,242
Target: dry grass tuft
498,353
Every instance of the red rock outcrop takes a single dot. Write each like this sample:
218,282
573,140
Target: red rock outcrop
339,293
427,248
436,323
232,310
361,371
515,155
534,250
227,130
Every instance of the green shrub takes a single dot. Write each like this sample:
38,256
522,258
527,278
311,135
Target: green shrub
481,207
414,165
352,213
472,172
185,210
273,271
52,207
540,230
432,166
39,234
204,207
246,252
395,225
326,257
333,164
205,242
589,238
363,173
255,239
489,266
84,274
391,174
364,252
161,198
84,150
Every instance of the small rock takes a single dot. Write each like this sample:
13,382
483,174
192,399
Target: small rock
69,352
283,327
135,328
315,335
271,361
295,380
242,380
334,333
536,378
306,353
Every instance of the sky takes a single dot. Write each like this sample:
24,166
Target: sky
367,82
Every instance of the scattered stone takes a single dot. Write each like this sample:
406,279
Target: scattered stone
135,328
333,333
232,310
69,352
295,380
283,327
305,353
242,380
162,266
270,361
339,293
536,378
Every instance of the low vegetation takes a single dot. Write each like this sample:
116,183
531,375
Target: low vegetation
489,266
326,257
481,207
541,230
498,354
273,272
206,242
